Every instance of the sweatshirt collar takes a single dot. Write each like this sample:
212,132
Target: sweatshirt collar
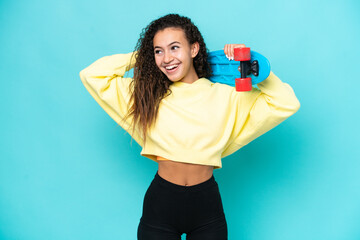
199,82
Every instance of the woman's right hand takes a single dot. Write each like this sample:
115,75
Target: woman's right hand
229,50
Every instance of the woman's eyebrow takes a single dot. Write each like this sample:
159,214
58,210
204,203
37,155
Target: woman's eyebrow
174,43
169,44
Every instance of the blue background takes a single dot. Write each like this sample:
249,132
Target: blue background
67,171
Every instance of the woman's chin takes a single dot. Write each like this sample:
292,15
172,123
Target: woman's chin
174,78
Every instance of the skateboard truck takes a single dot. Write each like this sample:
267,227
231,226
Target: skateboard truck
246,68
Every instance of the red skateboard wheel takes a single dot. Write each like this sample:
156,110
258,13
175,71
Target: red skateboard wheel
243,84
242,54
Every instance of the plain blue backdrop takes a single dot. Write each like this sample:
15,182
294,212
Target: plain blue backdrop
68,172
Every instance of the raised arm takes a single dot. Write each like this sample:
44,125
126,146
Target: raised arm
260,110
104,80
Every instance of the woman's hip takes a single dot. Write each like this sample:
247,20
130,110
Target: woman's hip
168,202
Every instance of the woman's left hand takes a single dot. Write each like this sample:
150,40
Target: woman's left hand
229,50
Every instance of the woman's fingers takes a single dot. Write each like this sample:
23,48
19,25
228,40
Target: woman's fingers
229,50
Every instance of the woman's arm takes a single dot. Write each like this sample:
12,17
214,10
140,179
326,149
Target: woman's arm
260,110
104,80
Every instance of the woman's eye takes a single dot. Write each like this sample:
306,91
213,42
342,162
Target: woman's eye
157,51
174,47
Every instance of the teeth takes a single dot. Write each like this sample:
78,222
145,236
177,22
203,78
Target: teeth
171,67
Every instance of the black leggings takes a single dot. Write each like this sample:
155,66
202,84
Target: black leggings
170,210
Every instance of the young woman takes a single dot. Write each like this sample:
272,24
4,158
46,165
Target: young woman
184,122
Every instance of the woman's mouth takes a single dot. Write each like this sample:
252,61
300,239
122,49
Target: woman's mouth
171,68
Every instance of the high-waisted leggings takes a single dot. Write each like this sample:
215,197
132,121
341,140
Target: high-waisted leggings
169,210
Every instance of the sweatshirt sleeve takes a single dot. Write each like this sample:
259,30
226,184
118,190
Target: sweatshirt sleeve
260,110
104,79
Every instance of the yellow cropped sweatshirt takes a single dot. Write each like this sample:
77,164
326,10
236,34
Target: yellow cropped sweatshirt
198,123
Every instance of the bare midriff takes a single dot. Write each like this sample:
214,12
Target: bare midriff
185,174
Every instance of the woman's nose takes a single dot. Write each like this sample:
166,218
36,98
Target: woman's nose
168,57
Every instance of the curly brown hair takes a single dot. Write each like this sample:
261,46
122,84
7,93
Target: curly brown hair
150,85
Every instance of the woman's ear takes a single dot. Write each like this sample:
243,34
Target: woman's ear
195,47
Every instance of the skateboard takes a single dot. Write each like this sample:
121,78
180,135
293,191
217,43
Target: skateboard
254,68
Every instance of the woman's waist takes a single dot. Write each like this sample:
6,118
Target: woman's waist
181,173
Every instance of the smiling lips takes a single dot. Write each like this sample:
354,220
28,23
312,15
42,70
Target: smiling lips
171,68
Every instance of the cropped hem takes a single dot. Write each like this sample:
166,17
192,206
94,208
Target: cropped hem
184,158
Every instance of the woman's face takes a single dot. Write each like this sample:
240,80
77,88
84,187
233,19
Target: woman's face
174,55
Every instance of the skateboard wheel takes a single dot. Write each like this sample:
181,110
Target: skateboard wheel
243,84
242,54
